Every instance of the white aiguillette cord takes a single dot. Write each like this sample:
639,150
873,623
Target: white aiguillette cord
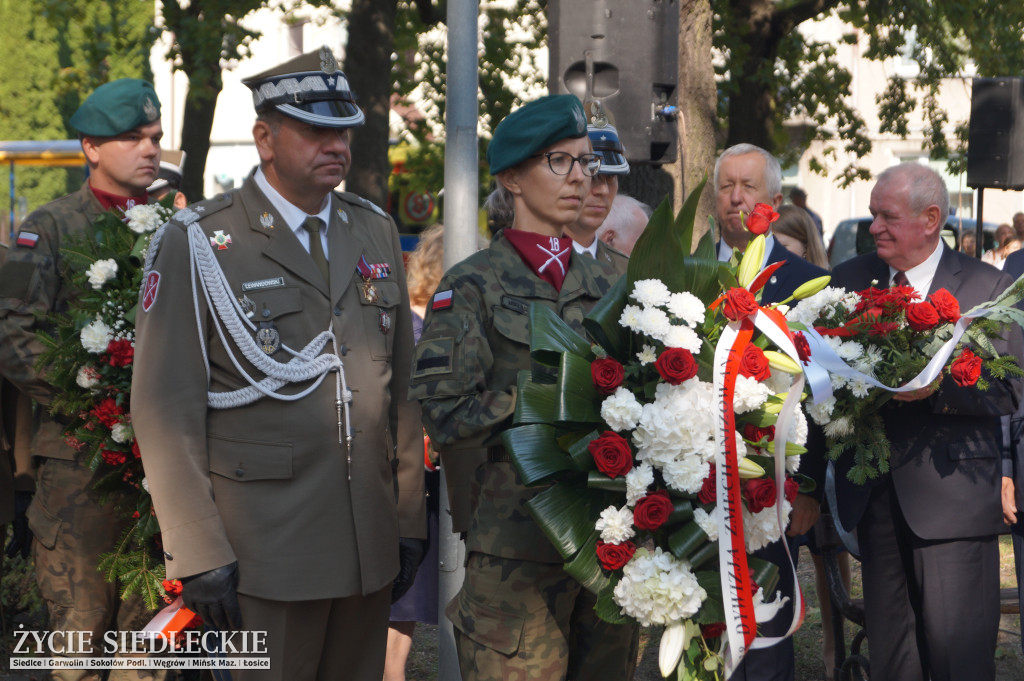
307,364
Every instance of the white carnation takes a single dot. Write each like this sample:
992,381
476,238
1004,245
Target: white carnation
621,410
96,336
651,292
792,464
637,481
762,528
682,337
87,378
615,525
143,218
658,589
798,427
101,271
647,355
686,473
707,522
121,433
779,382
687,308
750,394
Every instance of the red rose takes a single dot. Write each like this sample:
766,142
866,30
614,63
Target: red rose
761,218
966,369
172,587
607,375
712,630
739,303
946,305
791,488
108,413
754,433
676,365
759,493
708,493
120,353
803,348
614,556
753,363
652,511
922,316
612,454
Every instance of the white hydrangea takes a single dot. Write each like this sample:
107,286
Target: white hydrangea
682,337
762,528
144,218
101,271
615,525
87,378
651,293
750,394
680,423
656,588
96,336
687,307
707,521
621,410
638,479
648,355
121,433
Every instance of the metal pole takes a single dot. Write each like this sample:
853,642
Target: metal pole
979,226
461,205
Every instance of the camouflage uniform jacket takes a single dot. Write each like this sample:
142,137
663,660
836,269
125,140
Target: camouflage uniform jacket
464,374
31,287
616,259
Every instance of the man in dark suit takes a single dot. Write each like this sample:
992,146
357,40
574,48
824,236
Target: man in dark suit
746,175
928,529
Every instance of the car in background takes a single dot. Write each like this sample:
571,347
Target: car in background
852,237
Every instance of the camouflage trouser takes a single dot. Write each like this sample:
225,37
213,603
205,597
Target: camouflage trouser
520,620
72,530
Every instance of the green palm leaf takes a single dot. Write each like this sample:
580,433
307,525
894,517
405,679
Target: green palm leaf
565,513
585,569
535,452
578,401
550,336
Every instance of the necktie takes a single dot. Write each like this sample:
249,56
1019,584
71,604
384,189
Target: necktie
316,247
900,279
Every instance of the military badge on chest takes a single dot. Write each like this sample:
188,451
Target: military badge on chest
369,272
268,338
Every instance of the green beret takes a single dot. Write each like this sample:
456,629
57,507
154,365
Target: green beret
116,107
534,127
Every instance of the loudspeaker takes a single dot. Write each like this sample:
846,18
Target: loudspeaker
632,48
995,146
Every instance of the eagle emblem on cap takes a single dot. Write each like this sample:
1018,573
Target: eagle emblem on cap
327,63
598,117
149,108
581,123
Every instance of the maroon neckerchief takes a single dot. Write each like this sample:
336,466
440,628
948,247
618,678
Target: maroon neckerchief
548,256
122,203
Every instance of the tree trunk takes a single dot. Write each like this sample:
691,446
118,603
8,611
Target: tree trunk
697,98
752,106
197,124
371,31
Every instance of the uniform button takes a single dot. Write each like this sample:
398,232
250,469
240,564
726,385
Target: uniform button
337,312
343,349
266,313
239,473
168,556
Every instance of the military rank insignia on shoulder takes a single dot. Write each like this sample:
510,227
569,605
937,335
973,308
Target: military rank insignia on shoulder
27,239
442,300
366,203
193,213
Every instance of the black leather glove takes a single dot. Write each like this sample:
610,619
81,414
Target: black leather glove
212,595
21,536
410,554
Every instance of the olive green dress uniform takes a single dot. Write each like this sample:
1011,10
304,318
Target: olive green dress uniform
72,527
268,484
519,615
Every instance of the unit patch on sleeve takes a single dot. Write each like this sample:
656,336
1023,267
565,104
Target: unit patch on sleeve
442,300
150,290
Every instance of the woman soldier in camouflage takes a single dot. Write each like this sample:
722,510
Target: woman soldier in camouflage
518,614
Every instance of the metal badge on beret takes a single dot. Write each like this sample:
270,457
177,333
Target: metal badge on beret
268,338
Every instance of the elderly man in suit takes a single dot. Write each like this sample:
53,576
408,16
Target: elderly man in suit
746,175
928,528
269,399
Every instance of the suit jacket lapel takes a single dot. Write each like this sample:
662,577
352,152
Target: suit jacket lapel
345,249
947,275
282,245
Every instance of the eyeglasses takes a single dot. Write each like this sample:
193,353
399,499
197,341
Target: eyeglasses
561,162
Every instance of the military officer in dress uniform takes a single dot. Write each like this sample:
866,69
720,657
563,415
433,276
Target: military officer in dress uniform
604,139
269,398
119,128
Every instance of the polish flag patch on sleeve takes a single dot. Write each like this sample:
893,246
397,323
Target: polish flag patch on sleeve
27,239
442,300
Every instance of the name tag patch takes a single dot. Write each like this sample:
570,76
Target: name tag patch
261,284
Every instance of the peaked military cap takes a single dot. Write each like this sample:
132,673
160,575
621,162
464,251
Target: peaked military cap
169,175
116,107
604,138
534,127
309,88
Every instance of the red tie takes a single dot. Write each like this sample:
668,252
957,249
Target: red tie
900,279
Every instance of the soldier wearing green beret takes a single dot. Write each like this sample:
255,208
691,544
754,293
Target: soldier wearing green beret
270,394
518,614
119,128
